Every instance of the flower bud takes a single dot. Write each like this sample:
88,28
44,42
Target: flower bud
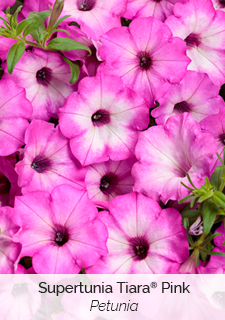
56,11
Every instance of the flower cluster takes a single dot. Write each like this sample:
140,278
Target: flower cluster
112,136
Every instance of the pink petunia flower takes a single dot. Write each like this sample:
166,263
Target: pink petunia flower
163,163
102,120
14,110
45,77
203,29
95,16
160,9
195,94
108,179
60,231
47,161
143,238
214,125
9,249
145,56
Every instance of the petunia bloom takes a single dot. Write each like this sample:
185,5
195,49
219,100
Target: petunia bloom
143,238
146,56
45,77
14,110
203,29
163,163
102,120
160,9
60,231
195,94
95,16
106,180
47,161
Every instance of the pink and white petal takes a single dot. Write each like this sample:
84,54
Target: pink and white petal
7,226
12,131
214,35
112,263
90,147
168,57
149,28
9,254
209,61
77,208
149,179
159,264
169,236
59,261
88,243
121,142
13,101
120,42
32,210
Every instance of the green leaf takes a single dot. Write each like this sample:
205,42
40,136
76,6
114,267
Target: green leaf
221,212
66,44
56,30
219,158
219,198
216,178
186,223
34,25
186,198
4,20
210,238
207,195
15,16
204,256
189,179
75,70
14,55
42,35
44,14
193,201
59,21
35,35
209,213
22,25
220,254
191,214
223,244
7,26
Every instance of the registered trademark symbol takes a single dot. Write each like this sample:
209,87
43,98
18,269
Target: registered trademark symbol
153,284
